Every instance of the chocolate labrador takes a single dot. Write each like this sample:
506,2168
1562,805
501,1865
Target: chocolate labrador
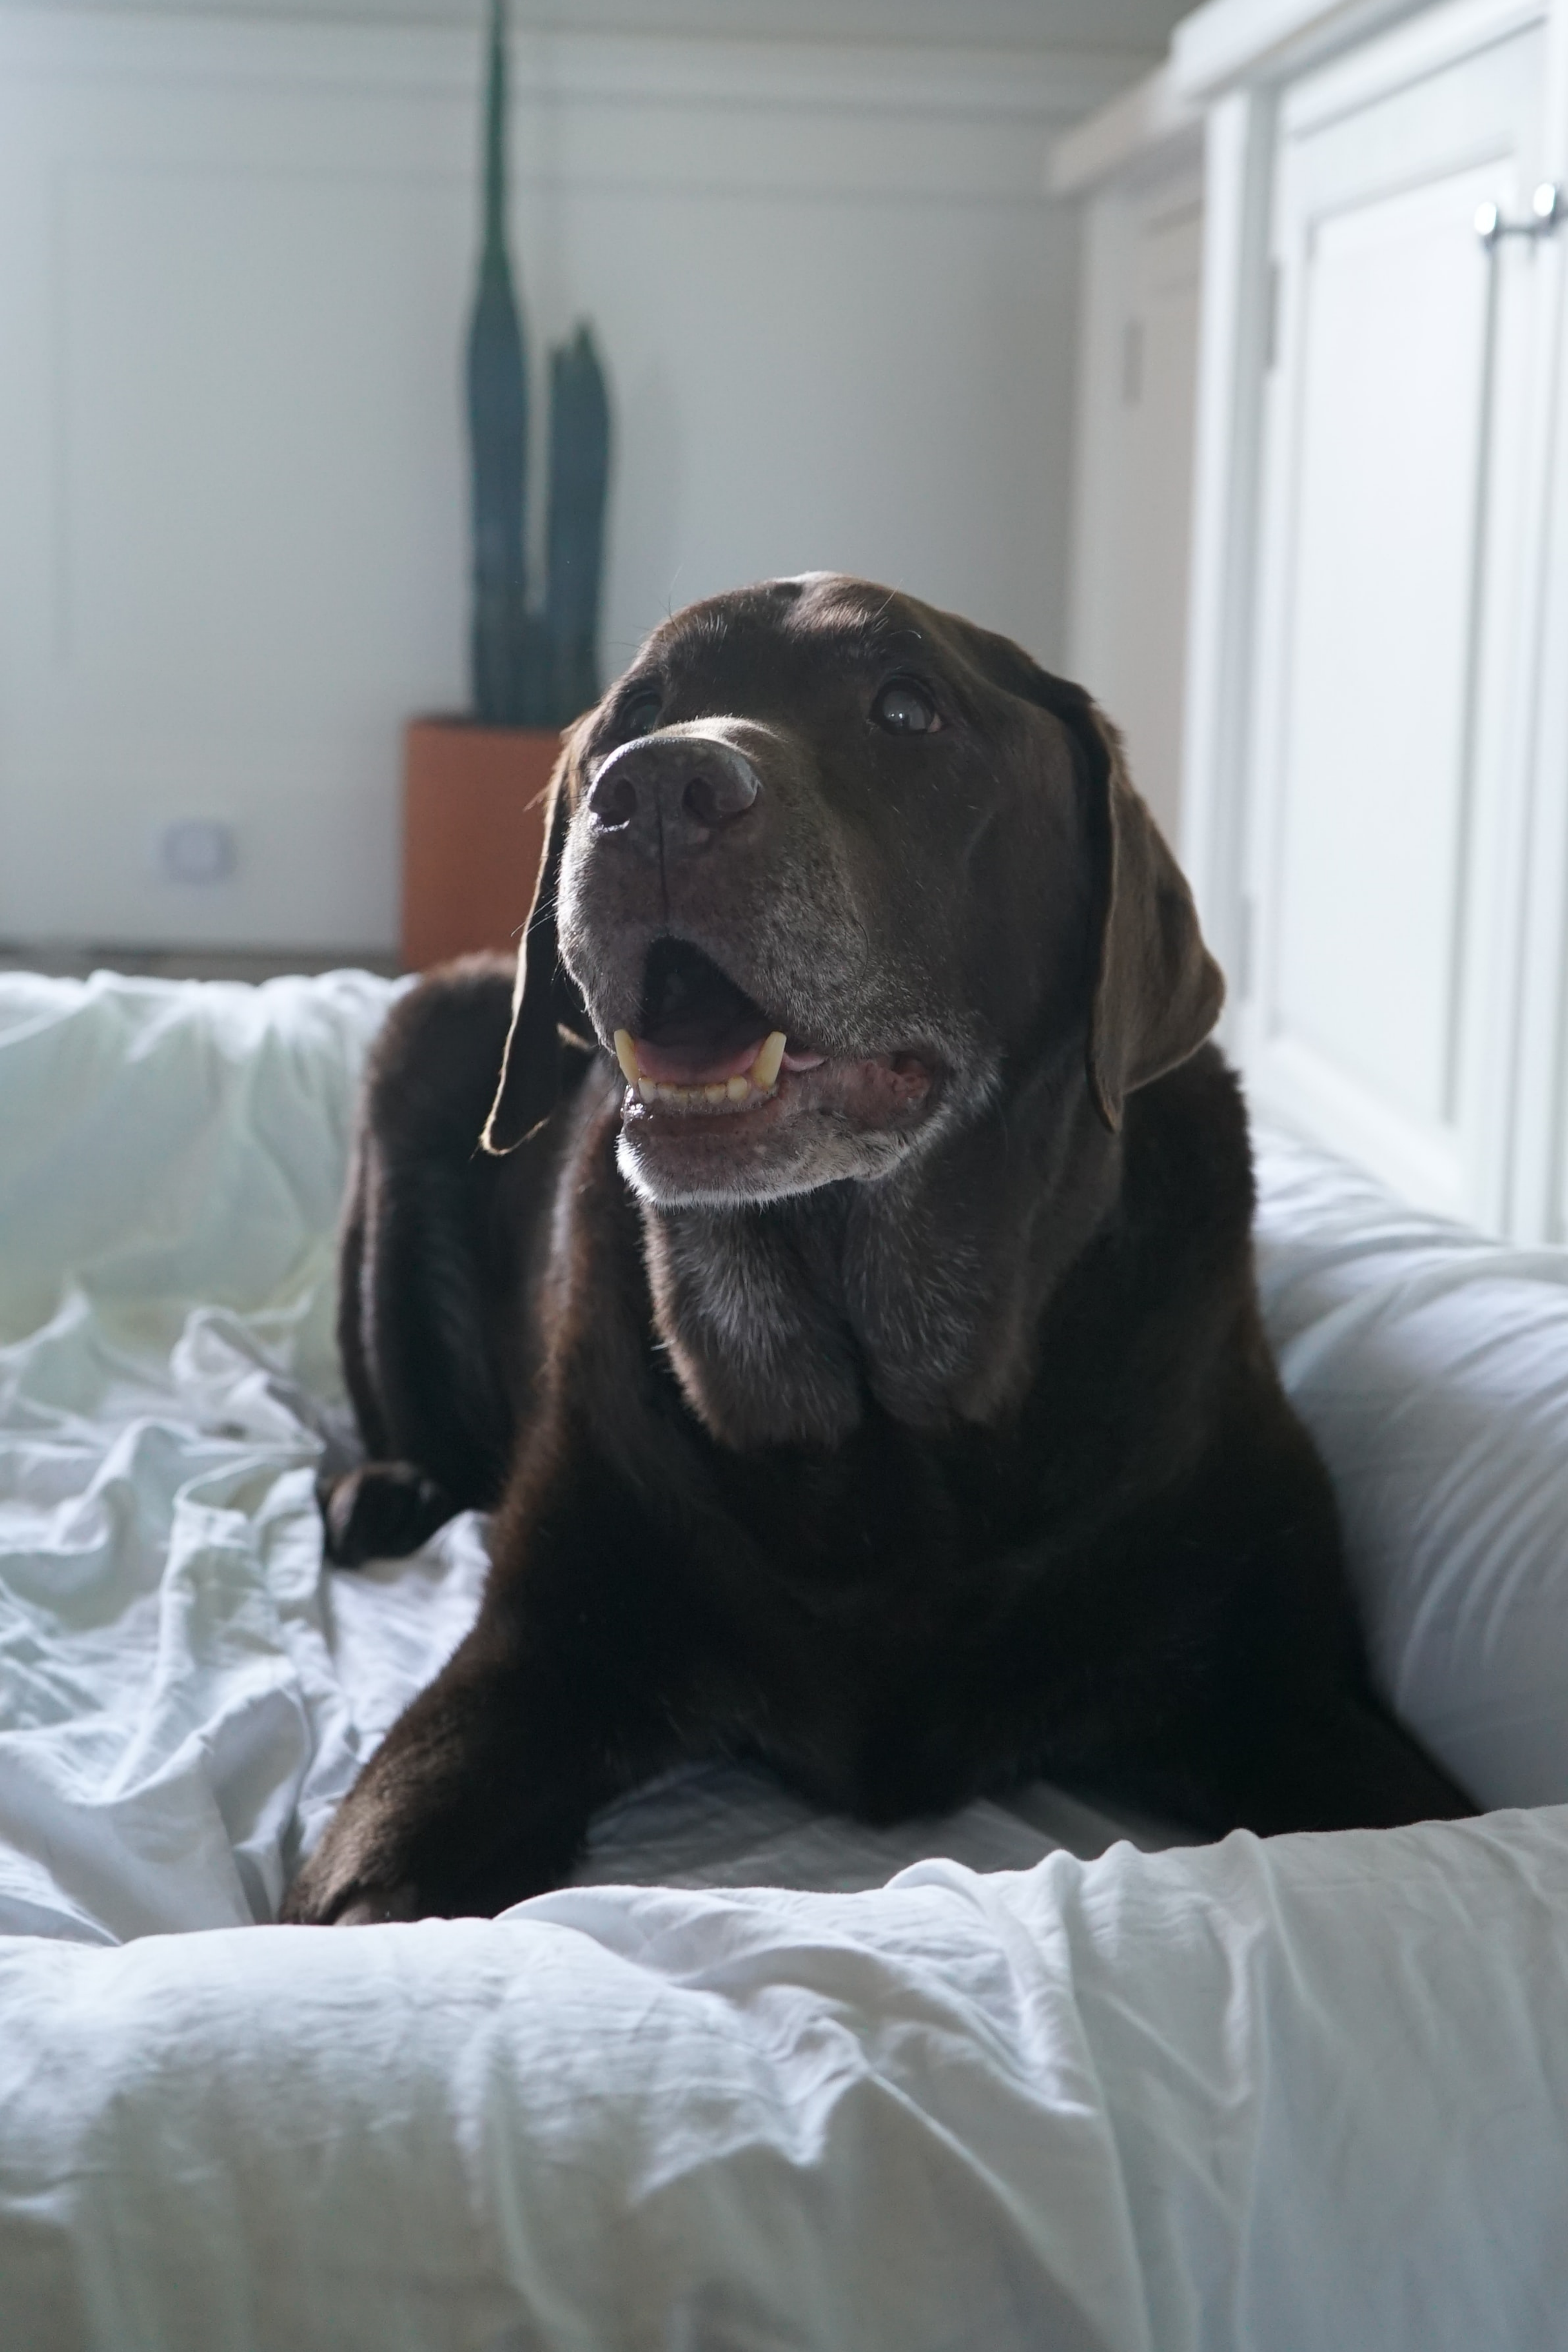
851,1309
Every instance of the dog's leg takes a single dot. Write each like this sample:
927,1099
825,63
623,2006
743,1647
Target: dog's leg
1351,1767
383,1508
577,1682
419,1356
1336,1761
480,1795
422,1286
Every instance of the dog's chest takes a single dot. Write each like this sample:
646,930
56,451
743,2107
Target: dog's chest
869,1573
904,1607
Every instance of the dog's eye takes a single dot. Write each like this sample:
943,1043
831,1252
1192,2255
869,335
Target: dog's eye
640,716
904,708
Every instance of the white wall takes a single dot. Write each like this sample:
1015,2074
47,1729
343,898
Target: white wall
1127,628
835,305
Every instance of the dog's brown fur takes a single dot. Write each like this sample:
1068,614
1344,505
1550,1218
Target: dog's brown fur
915,1432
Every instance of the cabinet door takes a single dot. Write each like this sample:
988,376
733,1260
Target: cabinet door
1385,824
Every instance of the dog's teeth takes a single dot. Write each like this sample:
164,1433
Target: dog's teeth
717,1093
765,1068
759,1079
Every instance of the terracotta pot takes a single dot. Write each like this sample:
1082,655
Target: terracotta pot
473,835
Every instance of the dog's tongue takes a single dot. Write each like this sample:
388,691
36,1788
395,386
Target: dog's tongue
701,1030
693,1061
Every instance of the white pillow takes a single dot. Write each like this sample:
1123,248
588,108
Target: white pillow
174,1140
1432,1369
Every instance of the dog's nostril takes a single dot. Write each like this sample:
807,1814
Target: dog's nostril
721,790
613,800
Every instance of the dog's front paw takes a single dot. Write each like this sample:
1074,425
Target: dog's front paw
382,1511
337,1888
362,1872
305,1905
472,1801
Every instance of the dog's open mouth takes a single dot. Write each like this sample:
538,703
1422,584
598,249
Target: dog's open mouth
703,1049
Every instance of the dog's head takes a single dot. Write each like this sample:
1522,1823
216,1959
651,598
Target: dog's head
828,870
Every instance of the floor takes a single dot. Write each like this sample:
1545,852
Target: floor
70,960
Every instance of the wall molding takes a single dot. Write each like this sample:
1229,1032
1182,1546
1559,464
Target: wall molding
1228,42
601,110
1054,85
1405,54
1150,122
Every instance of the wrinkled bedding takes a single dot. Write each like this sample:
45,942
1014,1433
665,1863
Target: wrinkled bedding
183,1695
1308,2092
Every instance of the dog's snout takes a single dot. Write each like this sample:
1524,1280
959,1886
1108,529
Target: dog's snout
680,789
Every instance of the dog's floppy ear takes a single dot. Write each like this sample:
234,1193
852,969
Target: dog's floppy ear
1157,991
544,999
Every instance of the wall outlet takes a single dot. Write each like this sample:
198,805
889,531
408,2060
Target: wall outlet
195,850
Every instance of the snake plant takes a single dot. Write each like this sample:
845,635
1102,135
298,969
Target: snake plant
532,666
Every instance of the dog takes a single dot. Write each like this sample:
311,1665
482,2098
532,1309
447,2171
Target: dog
851,1313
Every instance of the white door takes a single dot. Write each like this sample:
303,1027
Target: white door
1386,807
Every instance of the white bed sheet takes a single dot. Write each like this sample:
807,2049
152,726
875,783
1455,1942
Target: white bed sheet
1308,2093
184,1693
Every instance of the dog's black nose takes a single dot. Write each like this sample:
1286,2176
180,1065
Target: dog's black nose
682,788
720,787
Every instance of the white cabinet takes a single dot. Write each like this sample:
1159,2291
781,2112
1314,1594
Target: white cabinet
1375,764
1386,824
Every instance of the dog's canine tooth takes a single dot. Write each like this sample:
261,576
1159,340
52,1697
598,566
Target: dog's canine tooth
626,1055
765,1068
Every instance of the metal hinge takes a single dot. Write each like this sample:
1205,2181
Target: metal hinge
1546,209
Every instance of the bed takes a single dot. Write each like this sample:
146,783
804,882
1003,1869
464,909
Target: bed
1028,2076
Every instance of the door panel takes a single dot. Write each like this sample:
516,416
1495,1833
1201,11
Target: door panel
1385,825
1368,914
